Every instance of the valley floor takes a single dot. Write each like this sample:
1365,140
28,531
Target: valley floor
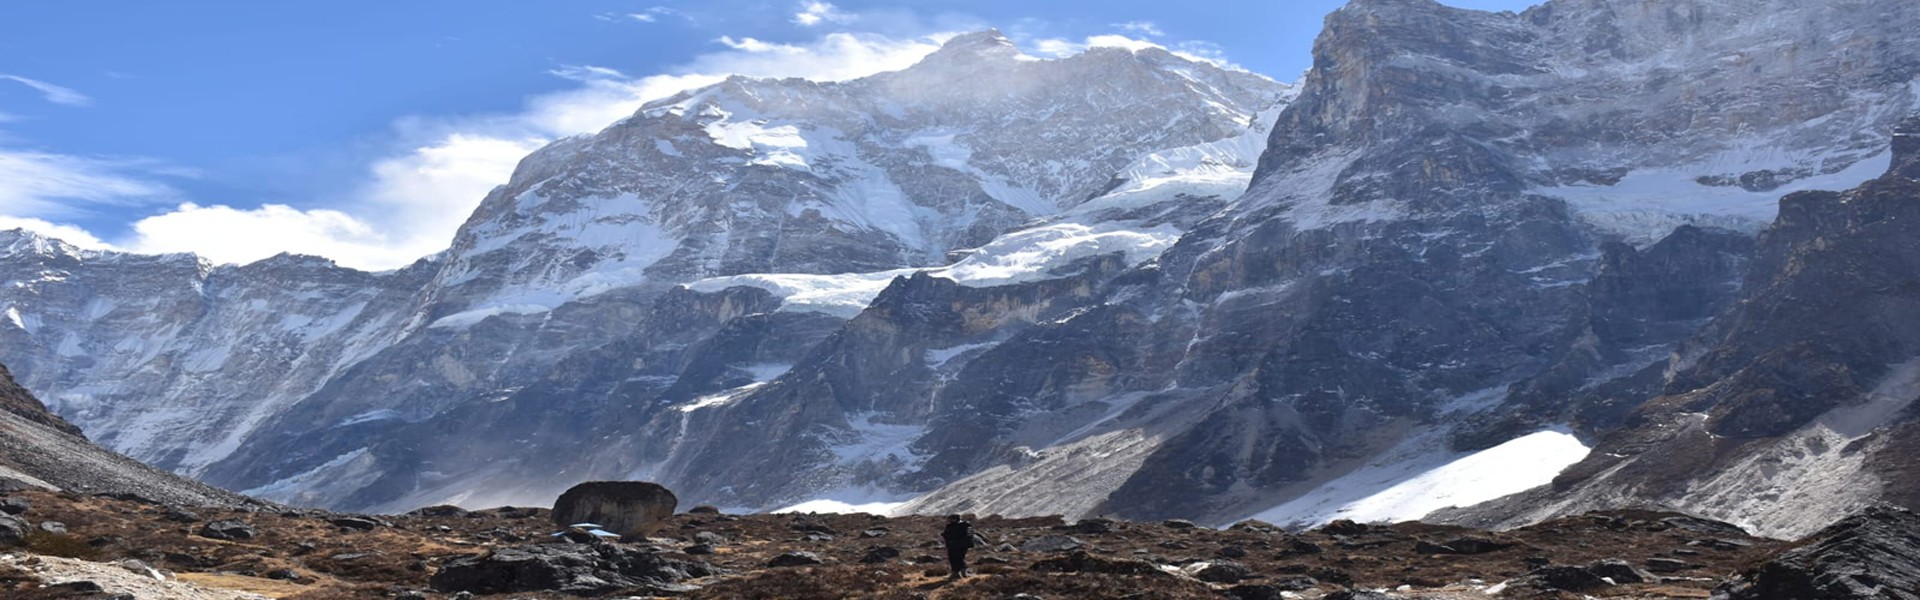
313,555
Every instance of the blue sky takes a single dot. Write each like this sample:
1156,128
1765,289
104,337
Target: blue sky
365,130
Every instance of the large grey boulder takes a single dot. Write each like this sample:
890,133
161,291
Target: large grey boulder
623,507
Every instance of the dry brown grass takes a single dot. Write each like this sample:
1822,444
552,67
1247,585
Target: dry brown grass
811,583
270,588
59,544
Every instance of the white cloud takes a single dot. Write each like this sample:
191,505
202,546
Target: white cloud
409,210
816,12
753,45
643,17
53,93
224,234
1147,28
415,199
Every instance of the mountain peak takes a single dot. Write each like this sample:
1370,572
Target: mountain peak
19,241
973,46
978,40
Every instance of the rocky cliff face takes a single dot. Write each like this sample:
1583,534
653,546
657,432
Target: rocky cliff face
1472,248
175,361
1796,402
1454,228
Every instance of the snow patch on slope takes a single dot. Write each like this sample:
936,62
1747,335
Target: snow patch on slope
871,440
616,228
1646,205
1021,257
849,501
1421,476
1220,168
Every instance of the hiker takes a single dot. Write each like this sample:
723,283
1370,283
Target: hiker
959,537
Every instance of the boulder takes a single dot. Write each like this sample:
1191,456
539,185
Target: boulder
440,510
1875,554
1564,578
1255,592
54,527
1621,572
229,530
1088,526
141,568
1668,565
354,523
1052,543
795,559
628,508
1345,527
15,506
1299,583
880,555
13,530
568,568
1706,526
1220,572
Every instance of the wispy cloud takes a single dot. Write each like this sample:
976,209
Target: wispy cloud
816,12
1147,28
53,93
37,184
651,14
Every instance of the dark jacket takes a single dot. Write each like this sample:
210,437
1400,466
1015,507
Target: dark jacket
958,535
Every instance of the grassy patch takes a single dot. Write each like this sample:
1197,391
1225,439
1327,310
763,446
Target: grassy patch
40,541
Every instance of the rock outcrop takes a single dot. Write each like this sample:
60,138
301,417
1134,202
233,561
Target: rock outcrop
1794,404
584,569
1872,555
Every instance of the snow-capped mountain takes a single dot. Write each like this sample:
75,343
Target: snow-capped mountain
184,364
1469,251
